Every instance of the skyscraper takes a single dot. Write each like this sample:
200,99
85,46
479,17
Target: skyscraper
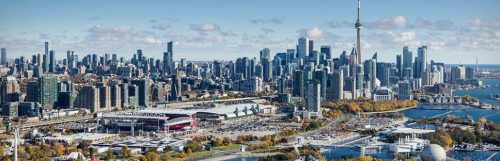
298,83
313,96
457,73
336,85
404,90
52,63
327,50
407,63
104,97
370,69
167,63
88,97
3,56
265,54
46,58
47,93
168,58
302,48
175,90
281,86
469,73
46,48
399,65
310,47
144,85
321,76
267,69
116,100
421,65
9,90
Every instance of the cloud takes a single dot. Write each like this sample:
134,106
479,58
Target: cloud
397,22
93,18
314,33
267,30
206,27
43,36
228,33
267,21
110,34
432,25
388,23
161,27
318,34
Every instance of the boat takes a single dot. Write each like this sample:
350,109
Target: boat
495,97
485,106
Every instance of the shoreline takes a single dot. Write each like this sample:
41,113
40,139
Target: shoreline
390,111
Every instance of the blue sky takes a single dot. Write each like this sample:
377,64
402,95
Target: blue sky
456,31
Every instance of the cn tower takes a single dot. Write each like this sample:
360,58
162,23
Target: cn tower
358,36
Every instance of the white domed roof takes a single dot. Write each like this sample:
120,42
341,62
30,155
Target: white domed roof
433,152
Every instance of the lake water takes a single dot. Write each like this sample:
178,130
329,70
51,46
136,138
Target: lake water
442,111
426,111
483,94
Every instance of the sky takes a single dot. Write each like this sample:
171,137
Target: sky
455,31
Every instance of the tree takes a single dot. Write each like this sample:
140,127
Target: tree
143,158
194,146
439,137
59,149
483,120
152,156
109,154
217,142
283,140
227,141
125,152
2,151
181,155
240,139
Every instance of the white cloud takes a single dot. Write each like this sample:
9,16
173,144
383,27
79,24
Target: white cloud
388,23
205,27
314,33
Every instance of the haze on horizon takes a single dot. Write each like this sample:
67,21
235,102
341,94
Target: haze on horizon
455,31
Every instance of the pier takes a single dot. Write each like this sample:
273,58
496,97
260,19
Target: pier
491,157
441,114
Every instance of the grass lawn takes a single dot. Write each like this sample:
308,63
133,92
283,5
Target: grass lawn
229,147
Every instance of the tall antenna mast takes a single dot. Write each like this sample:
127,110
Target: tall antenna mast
358,35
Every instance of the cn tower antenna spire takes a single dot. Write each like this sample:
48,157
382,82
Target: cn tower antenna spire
358,35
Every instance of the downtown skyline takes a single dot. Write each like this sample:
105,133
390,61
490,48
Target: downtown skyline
226,31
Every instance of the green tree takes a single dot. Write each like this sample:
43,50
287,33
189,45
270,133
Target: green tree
59,149
125,152
153,156
194,146
109,154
